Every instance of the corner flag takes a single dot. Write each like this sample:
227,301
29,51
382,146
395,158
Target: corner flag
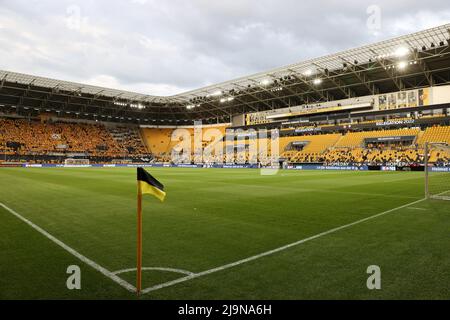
146,184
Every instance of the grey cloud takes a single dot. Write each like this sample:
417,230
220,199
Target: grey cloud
165,47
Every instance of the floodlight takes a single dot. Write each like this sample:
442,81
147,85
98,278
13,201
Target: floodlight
401,52
216,93
402,65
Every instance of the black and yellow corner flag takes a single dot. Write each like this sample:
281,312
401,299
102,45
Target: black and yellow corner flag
147,184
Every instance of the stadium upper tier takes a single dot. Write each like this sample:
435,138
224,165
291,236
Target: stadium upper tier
435,134
404,63
356,139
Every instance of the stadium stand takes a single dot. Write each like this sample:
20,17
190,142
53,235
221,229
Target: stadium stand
161,143
21,137
129,139
356,139
313,147
435,134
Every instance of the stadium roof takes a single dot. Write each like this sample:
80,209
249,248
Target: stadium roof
415,60
335,61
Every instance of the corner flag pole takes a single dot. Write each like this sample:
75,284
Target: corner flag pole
139,241
147,184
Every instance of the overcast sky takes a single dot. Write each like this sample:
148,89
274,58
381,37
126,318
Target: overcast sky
169,46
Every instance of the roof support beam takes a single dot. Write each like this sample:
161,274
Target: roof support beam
320,93
255,97
398,83
206,110
2,83
338,83
271,94
362,77
245,103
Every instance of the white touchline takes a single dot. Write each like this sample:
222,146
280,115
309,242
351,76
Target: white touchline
267,253
72,251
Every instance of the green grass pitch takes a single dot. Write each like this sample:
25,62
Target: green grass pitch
213,217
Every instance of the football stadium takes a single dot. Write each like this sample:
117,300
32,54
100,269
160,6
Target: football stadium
324,179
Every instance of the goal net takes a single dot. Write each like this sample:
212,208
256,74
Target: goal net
76,162
437,171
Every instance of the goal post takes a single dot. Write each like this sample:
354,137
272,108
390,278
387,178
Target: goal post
76,162
437,171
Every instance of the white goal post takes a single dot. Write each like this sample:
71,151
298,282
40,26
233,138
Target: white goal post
437,171
76,162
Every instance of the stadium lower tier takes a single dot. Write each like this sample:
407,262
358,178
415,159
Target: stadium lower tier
21,138
32,141
380,147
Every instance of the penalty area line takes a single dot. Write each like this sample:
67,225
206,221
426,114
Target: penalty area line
72,251
271,252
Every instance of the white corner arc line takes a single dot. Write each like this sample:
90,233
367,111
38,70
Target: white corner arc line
267,253
185,272
72,251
